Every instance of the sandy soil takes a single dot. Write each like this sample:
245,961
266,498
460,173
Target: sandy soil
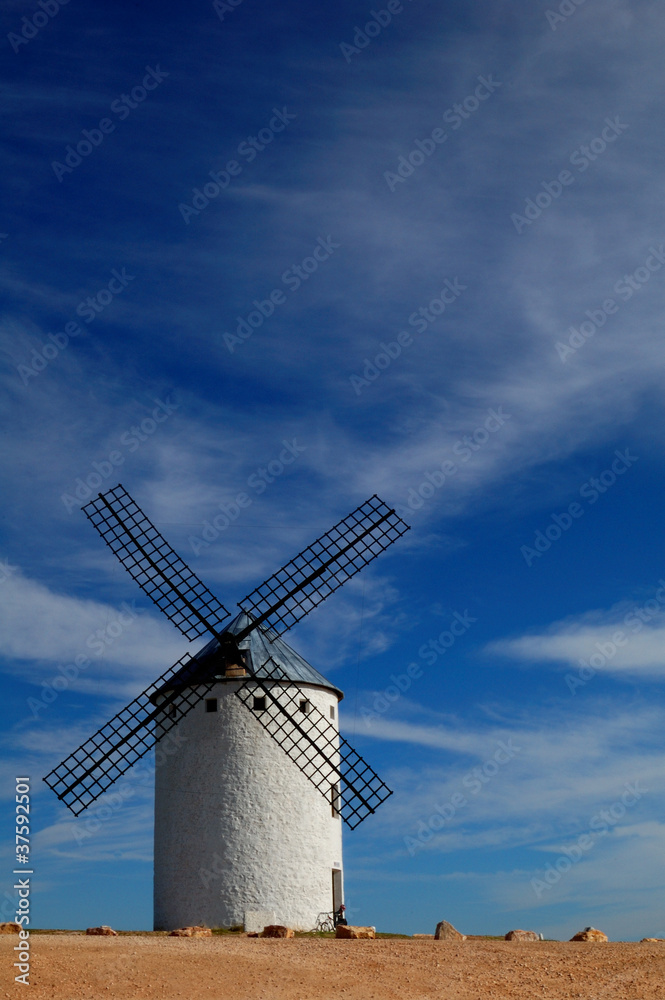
71,967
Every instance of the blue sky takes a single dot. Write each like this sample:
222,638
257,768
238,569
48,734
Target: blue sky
458,308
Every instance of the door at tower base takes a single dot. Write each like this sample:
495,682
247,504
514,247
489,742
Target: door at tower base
238,828
337,894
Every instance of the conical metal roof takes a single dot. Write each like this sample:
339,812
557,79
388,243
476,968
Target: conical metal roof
262,645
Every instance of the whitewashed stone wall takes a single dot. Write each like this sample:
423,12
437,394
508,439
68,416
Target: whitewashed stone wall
238,827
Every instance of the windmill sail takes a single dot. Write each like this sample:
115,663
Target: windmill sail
315,746
320,569
89,771
278,603
150,560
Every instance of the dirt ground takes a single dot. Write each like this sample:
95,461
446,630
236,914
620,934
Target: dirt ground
134,967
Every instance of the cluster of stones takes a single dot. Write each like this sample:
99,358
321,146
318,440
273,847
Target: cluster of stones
444,932
342,931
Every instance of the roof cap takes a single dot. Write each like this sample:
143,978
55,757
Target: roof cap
263,645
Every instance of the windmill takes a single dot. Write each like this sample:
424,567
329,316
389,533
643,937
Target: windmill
241,835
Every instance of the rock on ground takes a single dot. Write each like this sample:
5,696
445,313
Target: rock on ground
104,929
197,932
276,931
9,928
589,934
446,932
651,940
348,931
522,936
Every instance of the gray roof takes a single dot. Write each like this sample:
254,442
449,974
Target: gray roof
262,644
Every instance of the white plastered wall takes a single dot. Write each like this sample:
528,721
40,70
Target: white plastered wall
238,827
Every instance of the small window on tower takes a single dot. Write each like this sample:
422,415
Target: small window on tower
171,710
305,706
335,800
259,703
211,704
332,711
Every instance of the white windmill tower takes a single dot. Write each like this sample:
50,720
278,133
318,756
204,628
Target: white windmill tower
268,844
241,835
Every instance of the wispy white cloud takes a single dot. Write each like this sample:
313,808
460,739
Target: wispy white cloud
558,768
500,349
625,641
43,627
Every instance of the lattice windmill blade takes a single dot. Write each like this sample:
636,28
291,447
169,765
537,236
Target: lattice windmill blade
150,560
328,760
323,567
89,771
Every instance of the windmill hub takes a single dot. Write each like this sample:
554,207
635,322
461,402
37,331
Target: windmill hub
234,658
